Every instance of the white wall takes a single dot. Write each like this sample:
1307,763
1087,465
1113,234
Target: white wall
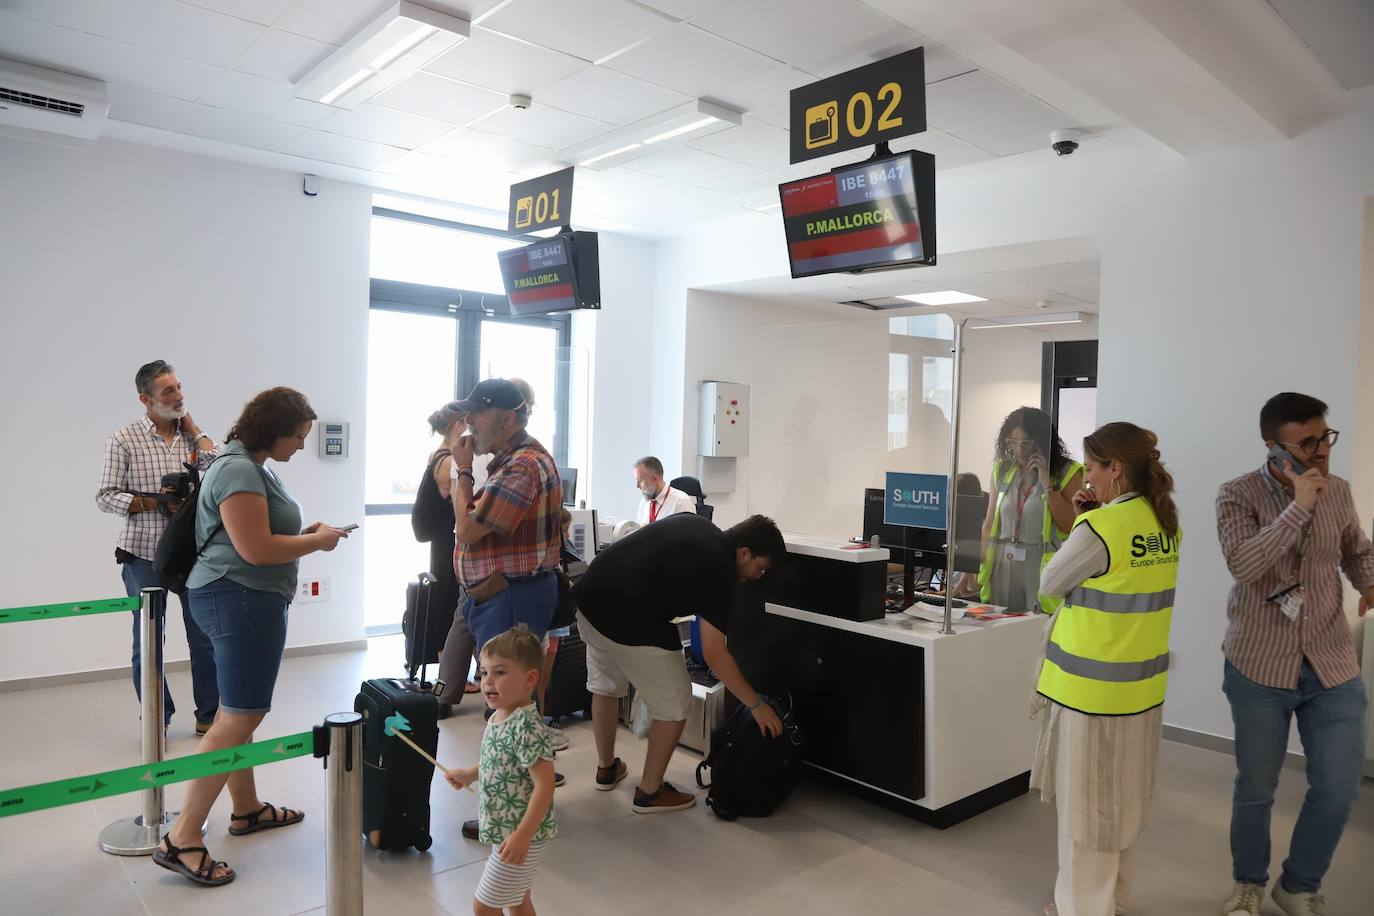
1224,279
123,254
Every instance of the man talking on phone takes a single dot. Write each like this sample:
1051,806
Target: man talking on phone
1287,531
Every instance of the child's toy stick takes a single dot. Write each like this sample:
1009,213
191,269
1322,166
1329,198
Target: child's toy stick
398,725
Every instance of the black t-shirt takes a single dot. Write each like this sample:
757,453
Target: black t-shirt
678,566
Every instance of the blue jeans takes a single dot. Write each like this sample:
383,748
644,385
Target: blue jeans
529,601
1331,723
248,629
138,574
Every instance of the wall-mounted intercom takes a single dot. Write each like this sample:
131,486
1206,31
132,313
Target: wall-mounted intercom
333,439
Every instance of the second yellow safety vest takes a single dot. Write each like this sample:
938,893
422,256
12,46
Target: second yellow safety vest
1002,478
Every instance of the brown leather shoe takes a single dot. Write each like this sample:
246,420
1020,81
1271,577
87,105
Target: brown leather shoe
665,799
607,778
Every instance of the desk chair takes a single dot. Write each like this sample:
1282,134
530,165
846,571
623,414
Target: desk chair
692,487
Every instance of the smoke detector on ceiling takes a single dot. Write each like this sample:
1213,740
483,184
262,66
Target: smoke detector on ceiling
520,102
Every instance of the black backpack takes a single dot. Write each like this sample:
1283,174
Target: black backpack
177,550
752,774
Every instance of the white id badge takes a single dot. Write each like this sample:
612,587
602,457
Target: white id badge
1291,604
1016,553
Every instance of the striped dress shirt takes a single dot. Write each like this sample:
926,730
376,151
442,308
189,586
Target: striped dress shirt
136,458
1271,542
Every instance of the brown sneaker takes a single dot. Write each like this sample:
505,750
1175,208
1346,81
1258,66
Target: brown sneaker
665,799
607,778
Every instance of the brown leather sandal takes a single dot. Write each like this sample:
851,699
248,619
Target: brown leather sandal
257,822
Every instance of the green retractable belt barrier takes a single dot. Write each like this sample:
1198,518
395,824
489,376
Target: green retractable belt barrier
69,609
147,776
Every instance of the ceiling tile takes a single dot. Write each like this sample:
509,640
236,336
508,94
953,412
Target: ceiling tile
681,9
440,99
474,185
942,63
698,169
661,192
143,68
138,107
1339,33
265,98
471,10
605,94
543,125
949,152
1079,280
589,29
694,62
176,28
594,203
332,21
41,43
754,142
972,99
474,146
384,125
496,62
866,50
279,55
995,288
795,30
265,12
235,127
360,154
67,13
1018,133
765,97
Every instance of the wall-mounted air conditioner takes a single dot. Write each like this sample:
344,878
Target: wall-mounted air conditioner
49,106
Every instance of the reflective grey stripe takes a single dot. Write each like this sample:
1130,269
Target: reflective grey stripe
1116,672
1112,603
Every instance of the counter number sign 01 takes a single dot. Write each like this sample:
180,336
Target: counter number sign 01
865,106
541,202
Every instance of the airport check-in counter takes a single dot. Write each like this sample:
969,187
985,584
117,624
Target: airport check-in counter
935,725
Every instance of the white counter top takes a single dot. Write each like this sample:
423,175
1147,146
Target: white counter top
810,546
901,628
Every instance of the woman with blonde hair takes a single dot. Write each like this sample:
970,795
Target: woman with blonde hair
1104,670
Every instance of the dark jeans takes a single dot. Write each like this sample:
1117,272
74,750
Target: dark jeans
528,601
138,574
1331,723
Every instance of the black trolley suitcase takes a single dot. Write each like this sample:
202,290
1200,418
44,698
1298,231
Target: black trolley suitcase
567,693
425,623
396,779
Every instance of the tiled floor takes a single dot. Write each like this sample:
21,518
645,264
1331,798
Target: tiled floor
823,852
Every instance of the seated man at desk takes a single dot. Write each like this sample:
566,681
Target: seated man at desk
626,603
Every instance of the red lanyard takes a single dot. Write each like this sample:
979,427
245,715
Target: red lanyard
653,506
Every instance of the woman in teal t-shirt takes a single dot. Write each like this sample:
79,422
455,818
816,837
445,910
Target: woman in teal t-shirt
239,592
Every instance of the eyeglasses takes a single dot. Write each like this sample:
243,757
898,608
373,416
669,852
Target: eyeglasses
1015,444
1310,445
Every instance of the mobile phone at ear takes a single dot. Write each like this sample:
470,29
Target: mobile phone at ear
1284,459
347,528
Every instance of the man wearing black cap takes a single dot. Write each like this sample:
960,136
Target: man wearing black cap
508,531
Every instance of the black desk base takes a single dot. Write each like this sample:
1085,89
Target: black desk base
941,818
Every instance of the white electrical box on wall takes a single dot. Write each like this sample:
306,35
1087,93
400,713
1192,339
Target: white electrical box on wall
333,439
724,427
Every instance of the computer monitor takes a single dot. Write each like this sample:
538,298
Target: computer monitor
568,476
582,533
890,536
971,510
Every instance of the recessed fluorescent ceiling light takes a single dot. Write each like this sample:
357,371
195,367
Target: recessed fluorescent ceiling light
1035,321
690,121
943,297
397,42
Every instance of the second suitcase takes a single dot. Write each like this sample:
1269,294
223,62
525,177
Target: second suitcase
396,780
567,693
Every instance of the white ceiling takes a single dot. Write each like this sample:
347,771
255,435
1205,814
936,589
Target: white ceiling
216,74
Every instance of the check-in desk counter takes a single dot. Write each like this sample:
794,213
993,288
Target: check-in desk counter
934,725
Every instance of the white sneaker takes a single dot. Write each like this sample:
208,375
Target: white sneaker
1245,900
1309,904
560,740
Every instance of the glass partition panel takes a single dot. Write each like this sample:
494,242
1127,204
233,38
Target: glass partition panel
1007,465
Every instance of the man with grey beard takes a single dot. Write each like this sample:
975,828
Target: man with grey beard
137,459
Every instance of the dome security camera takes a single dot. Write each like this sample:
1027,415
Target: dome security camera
1064,142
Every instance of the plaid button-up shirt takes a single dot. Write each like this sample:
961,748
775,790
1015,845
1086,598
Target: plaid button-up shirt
520,502
136,457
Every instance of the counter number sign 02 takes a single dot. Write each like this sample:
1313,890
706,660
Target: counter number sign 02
541,202
871,104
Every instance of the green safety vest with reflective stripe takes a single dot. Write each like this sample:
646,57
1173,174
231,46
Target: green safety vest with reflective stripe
1109,651
1002,479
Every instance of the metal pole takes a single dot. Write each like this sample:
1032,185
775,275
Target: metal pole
139,835
951,520
343,826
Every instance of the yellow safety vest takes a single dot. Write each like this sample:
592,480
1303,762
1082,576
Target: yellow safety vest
1109,652
1002,478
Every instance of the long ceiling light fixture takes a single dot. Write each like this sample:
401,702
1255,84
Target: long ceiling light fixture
682,124
400,40
1033,321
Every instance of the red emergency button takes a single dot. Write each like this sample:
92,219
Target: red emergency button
732,422
733,403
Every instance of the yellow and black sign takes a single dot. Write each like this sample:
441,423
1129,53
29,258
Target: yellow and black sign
871,104
541,202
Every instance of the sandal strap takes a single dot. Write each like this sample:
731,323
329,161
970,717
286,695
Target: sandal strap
253,817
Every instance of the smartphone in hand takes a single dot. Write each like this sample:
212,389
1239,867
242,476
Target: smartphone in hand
1285,460
347,528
